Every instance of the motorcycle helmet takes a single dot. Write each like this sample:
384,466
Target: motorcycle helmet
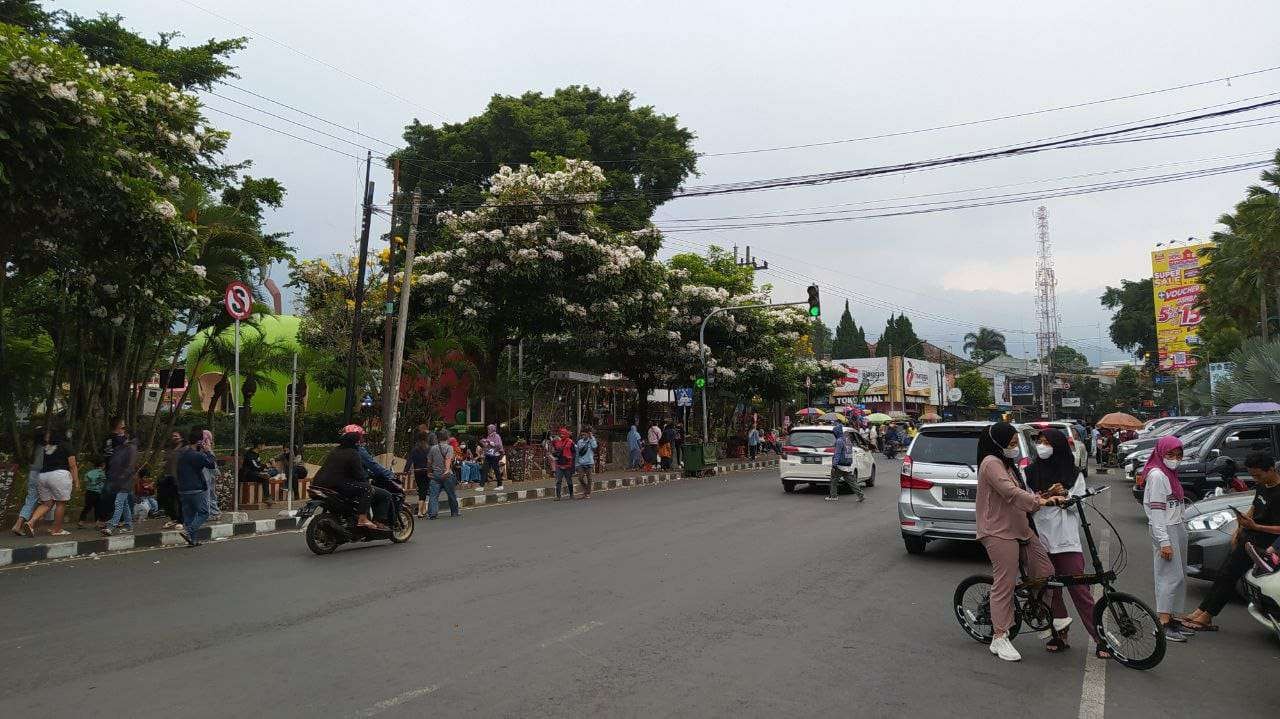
352,429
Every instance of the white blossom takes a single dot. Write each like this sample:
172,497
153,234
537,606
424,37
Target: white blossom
165,209
64,91
199,270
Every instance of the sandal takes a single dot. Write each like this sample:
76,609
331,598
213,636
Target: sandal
1197,626
1055,645
1101,652
60,533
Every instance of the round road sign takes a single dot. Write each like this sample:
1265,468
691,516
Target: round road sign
238,300
954,394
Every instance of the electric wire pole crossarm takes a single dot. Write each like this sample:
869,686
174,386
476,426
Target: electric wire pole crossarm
814,311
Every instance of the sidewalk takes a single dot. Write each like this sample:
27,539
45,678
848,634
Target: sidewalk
83,542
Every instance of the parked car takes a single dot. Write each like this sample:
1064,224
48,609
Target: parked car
1124,449
939,483
806,457
1190,442
1219,457
1075,439
1153,427
1210,526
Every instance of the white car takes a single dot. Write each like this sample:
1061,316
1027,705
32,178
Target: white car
1074,440
807,453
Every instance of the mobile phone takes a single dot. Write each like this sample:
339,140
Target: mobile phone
1233,509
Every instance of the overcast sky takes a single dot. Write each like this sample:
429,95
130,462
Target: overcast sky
746,75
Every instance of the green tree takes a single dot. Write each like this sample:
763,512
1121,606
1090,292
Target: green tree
1128,392
1133,322
260,361
1067,359
901,336
820,338
850,341
645,155
985,344
975,388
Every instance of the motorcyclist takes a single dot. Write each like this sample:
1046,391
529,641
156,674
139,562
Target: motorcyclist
343,472
379,498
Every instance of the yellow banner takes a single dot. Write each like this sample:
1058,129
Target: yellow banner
1175,282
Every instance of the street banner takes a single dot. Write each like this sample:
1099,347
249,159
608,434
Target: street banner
1070,401
1001,390
922,379
1219,371
1175,274
1022,387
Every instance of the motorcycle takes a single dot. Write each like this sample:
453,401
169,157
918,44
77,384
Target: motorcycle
330,519
1262,587
891,449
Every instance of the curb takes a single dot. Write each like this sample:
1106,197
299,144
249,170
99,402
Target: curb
66,550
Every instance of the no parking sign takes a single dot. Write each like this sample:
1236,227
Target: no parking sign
238,300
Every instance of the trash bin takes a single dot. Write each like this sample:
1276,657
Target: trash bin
699,459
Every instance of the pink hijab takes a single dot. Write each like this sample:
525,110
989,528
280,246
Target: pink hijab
1165,445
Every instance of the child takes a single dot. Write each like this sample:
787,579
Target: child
146,496
93,481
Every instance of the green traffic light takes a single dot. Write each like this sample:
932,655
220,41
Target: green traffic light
700,383
815,311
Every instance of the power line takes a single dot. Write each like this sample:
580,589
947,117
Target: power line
313,58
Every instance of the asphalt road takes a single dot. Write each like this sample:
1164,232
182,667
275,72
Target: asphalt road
718,597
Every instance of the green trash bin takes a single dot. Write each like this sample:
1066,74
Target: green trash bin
699,459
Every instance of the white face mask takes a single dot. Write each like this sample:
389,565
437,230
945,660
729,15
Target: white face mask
1011,452
1044,451
1172,463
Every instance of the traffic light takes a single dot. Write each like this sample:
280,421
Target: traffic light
814,308
700,382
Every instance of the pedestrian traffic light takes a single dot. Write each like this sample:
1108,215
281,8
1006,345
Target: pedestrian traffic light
814,308
700,382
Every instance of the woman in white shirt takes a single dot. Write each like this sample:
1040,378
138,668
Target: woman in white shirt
1163,499
1054,472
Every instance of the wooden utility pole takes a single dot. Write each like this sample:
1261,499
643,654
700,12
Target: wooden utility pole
397,356
388,406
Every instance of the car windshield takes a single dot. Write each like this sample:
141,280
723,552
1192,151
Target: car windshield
956,446
811,438
1195,438
1171,428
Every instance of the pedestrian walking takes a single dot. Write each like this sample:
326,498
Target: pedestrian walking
564,457
419,464
212,476
1163,499
652,438
841,459
634,445
753,443
586,451
1095,445
92,481
121,471
677,446
440,463
167,490
665,446
192,474
1002,507
493,453
58,478
33,483
1260,526
1054,472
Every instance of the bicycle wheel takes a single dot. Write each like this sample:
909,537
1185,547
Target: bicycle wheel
1130,630
973,608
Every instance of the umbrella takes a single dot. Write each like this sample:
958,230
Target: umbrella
846,409
809,412
879,418
833,417
898,415
1254,407
1120,420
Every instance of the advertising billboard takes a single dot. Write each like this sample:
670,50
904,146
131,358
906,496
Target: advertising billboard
1001,391
1175,282
922,380
867,377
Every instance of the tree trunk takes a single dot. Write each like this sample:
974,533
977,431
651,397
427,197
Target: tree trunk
1262,305
7,398
174,407
643,387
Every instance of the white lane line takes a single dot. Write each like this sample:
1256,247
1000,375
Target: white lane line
396,701
1093,689
572,633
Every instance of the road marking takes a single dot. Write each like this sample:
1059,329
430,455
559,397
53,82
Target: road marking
396,701
1093,689
572,633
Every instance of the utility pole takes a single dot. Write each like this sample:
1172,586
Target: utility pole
1046,311
397,358
388,330
888,374
362,260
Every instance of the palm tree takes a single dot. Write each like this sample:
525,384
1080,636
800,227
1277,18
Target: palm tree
260,363
1245,259
984,344
1255,376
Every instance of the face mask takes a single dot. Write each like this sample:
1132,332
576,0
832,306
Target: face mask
1011,452
1044,451
1172,463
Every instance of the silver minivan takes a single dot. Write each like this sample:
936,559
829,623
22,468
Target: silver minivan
939,482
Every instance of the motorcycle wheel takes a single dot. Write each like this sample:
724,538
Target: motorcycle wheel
322,537
401,534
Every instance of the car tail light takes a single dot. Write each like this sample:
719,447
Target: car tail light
829,450
907,481
788,449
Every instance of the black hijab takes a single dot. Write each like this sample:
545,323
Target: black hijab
1059,468
993,441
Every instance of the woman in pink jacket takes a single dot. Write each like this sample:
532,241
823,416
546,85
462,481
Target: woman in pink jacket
1002,506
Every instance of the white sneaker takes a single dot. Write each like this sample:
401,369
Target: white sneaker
1003,648
499,488
1058,625
479,489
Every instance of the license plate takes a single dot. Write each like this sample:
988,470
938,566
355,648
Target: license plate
960,494
810,460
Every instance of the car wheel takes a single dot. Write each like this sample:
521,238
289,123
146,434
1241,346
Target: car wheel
788,487
915,545
871,481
